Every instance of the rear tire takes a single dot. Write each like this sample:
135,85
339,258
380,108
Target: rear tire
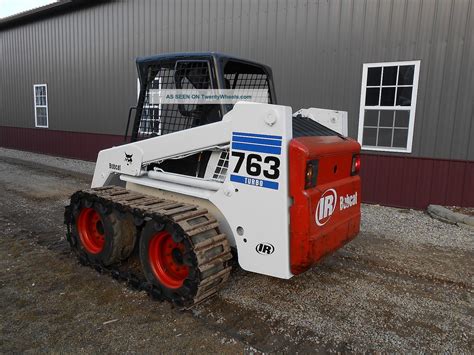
170,266
103,236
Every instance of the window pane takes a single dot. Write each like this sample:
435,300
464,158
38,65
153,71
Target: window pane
42,121
370,136
389,75
371,118
400,137
41,116
40,95
405,75
388,97
386,118
402,118
41,111
41,100
372,97
385,137
404,96
373,76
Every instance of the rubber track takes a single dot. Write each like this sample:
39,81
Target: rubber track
194,221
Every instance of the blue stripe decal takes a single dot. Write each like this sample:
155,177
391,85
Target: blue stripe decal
254,182
255,135
270,184
256,148
274,142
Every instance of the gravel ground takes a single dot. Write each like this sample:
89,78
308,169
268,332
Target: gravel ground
404,284
77,166
414,227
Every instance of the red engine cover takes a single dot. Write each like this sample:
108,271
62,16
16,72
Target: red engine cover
325,217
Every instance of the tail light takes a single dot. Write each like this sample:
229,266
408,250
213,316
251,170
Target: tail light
311,174
355,164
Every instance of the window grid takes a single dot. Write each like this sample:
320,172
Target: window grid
40,95
397,105
151,112
381,86
160,119
222,166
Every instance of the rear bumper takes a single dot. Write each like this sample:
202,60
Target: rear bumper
314,234
322,244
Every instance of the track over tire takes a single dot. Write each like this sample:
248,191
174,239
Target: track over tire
202,259
183,268
105,237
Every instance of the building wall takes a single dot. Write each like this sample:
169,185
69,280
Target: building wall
316,49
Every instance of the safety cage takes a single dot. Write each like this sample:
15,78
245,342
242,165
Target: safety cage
191,71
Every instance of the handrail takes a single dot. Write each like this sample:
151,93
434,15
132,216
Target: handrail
128,123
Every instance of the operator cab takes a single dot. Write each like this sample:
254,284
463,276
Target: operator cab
191,71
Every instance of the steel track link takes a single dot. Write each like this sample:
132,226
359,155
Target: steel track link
211,248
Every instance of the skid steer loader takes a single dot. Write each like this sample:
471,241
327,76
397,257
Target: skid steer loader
196,182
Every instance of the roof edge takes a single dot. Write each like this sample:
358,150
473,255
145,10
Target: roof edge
42,12
216,55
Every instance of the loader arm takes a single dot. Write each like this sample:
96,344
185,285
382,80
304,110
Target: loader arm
129,159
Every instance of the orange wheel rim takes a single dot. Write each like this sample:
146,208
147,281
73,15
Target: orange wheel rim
91,230
166,260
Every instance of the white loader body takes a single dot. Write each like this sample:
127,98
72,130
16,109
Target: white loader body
251,203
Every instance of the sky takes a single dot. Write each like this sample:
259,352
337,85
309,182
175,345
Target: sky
12,7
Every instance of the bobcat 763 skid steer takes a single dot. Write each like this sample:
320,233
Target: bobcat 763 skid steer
197,181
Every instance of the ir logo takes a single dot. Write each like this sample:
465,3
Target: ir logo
326,207
265,248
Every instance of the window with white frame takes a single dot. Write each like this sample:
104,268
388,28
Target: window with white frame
41,105
387,106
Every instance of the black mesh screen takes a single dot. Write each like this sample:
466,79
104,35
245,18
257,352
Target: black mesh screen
247,81
306,127
159,119
245,76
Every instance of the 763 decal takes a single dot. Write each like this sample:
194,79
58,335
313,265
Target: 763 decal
270,168
253,168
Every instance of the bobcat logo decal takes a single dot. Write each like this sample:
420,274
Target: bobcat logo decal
128,158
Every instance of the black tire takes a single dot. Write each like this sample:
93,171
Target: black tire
119,233
185,293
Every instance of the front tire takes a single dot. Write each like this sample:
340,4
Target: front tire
103,236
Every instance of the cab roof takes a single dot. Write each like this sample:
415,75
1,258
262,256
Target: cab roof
219,59
194,55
